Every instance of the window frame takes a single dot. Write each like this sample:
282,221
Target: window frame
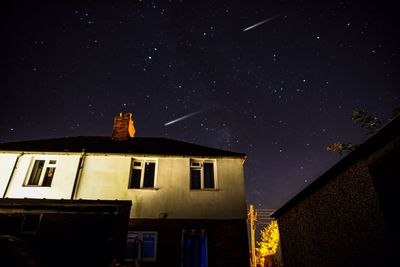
142,169
139,235
198,164
48,164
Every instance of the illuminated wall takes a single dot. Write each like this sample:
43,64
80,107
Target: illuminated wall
7,162
62,181
107,177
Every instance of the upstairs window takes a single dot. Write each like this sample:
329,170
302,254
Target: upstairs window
202,174
42,173
142,174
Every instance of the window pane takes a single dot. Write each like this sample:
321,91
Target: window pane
132,246
36,172
195,179
48,176
195,164
31,223
149,171
149,244
208,175
135,179
194,249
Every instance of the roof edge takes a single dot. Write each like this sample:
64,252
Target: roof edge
388,131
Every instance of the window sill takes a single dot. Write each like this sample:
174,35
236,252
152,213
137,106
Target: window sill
32,185
146,188
205,189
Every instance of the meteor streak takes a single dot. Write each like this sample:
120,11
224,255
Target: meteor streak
258,24
182,118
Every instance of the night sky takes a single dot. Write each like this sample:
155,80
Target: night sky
279,92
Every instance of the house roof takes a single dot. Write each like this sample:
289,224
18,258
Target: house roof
388,132
136,145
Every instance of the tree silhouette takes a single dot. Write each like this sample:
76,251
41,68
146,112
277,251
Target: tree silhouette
364,120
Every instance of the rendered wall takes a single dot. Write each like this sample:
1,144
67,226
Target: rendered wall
107,177
62,183
7,162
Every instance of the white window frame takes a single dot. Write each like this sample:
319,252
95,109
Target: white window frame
142,168
48,163
198,164
139,235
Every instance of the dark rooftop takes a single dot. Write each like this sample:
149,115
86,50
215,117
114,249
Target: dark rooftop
388,132
136,145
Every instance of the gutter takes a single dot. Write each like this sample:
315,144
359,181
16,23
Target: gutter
12,173
78,173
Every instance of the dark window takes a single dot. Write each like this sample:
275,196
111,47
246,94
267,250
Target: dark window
202,175
133,246
36,172
142,246
194,248
149,171
142,175
135,179
42,173
48,176
31,223
208,175
195,179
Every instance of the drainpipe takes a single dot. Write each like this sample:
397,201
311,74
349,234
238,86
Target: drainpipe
78,173
12,174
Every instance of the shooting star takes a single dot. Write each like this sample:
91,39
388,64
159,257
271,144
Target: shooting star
258,24
182,118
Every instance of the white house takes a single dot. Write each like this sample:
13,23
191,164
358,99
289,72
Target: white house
188,201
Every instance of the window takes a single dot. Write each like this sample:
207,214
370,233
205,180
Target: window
31,223
42,173
142,174
142,246
194,248
202,175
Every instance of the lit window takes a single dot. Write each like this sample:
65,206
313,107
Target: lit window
202,175
141,246
143,174
42,173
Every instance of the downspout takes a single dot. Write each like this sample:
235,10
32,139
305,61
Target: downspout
12,173
78,173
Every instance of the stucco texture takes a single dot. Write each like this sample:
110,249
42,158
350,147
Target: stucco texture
340,224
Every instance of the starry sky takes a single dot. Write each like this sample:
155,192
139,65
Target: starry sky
279,92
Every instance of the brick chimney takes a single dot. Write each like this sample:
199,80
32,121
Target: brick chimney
123,127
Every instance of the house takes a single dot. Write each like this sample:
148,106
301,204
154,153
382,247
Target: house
188,201
348,216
